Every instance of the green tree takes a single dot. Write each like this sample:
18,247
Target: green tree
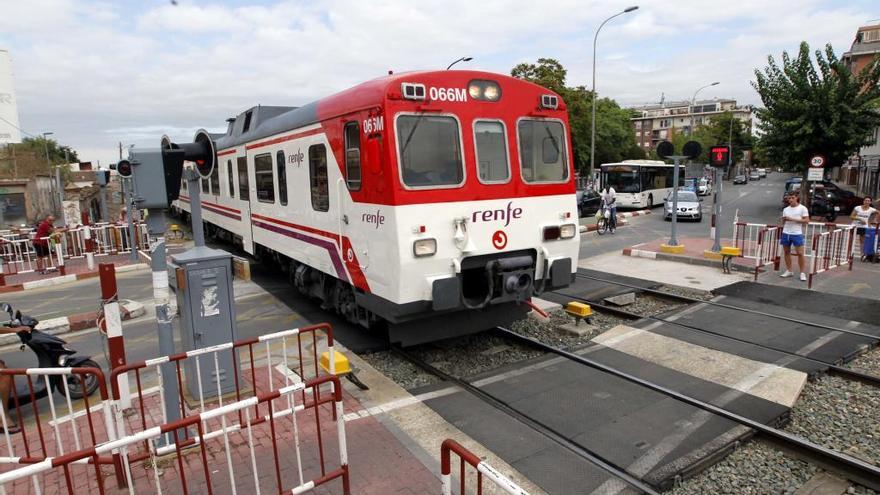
807,111
28,158
615,136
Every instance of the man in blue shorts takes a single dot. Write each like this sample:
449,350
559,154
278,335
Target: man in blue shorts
794,217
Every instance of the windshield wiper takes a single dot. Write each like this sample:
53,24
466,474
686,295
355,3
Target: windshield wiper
411,133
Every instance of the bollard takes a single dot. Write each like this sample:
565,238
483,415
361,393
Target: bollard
59,255
113,324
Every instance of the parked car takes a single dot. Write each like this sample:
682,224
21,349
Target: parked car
845,200
740,179
689,206
753,175
589,203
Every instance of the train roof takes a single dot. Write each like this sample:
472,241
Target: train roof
263,121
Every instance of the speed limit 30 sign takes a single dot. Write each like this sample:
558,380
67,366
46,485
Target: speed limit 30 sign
817,161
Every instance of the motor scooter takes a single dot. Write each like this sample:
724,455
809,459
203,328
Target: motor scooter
51,352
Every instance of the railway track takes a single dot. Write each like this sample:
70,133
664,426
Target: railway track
833,368
854,469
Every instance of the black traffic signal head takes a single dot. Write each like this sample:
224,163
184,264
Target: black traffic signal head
719,156
123,168
201,152
691,149
665,149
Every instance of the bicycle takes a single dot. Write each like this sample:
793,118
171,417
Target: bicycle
605,222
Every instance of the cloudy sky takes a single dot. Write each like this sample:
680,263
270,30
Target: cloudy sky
99,72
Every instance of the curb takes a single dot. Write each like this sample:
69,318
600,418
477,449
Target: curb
82,321
620,220
63,279
653,255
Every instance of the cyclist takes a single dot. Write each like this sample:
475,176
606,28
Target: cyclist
608,200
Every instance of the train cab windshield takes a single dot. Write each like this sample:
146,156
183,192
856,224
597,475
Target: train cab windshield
429,151
542,151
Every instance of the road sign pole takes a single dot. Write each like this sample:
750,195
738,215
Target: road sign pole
716,210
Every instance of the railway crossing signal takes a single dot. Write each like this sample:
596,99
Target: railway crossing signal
719,156
123,168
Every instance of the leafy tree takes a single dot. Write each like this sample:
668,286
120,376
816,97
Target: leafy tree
615,137
40,145
829,111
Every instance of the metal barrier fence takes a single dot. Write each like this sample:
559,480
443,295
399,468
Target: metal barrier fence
831,250
290,367
758,242
17,253
87,421
483,469
193,472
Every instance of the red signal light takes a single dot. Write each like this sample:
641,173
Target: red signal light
719,156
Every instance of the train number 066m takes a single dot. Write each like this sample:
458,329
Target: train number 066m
448,94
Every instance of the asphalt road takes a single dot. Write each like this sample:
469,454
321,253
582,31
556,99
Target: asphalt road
756,202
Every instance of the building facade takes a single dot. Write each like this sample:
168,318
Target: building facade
863,170
657,122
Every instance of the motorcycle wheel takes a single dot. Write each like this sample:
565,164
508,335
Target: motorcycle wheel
81,385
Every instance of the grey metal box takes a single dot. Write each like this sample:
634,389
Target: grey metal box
202,279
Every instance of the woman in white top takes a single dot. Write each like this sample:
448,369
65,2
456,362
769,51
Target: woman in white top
863,216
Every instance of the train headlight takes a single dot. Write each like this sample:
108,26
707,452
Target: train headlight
424,247
485,90
567,231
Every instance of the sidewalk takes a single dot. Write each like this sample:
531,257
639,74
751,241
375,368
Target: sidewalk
862,281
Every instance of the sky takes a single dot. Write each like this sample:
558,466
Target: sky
97,73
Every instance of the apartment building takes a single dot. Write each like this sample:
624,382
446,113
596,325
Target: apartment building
657,122
863,170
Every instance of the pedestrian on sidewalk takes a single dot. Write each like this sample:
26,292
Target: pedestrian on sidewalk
41,241
6,384
609,198
862,217
794,217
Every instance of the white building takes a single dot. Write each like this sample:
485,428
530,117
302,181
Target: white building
661,121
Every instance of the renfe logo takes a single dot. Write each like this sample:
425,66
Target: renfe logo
374,218
297,158
498,215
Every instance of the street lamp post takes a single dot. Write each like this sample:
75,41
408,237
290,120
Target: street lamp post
593,125
49,164
462,59
693,102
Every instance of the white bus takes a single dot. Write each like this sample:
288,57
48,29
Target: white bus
640,183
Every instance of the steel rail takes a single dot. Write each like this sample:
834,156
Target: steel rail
854,469
833,368
530,422
681,298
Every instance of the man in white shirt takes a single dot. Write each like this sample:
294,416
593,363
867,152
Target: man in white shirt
608,198
794,217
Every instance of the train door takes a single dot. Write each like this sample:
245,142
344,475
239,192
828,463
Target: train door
244,196
353,228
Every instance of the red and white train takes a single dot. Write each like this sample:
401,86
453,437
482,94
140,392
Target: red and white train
434,201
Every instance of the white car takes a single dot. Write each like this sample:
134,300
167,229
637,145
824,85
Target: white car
703,187
689,206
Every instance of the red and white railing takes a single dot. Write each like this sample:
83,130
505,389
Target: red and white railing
483,470
831,250
259,465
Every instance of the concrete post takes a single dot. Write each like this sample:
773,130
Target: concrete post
193,186
165,331
113,325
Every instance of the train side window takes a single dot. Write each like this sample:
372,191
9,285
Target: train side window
281,165
230,177
353,156
215,180
491,144
205,187
318,177
243,184
265,181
